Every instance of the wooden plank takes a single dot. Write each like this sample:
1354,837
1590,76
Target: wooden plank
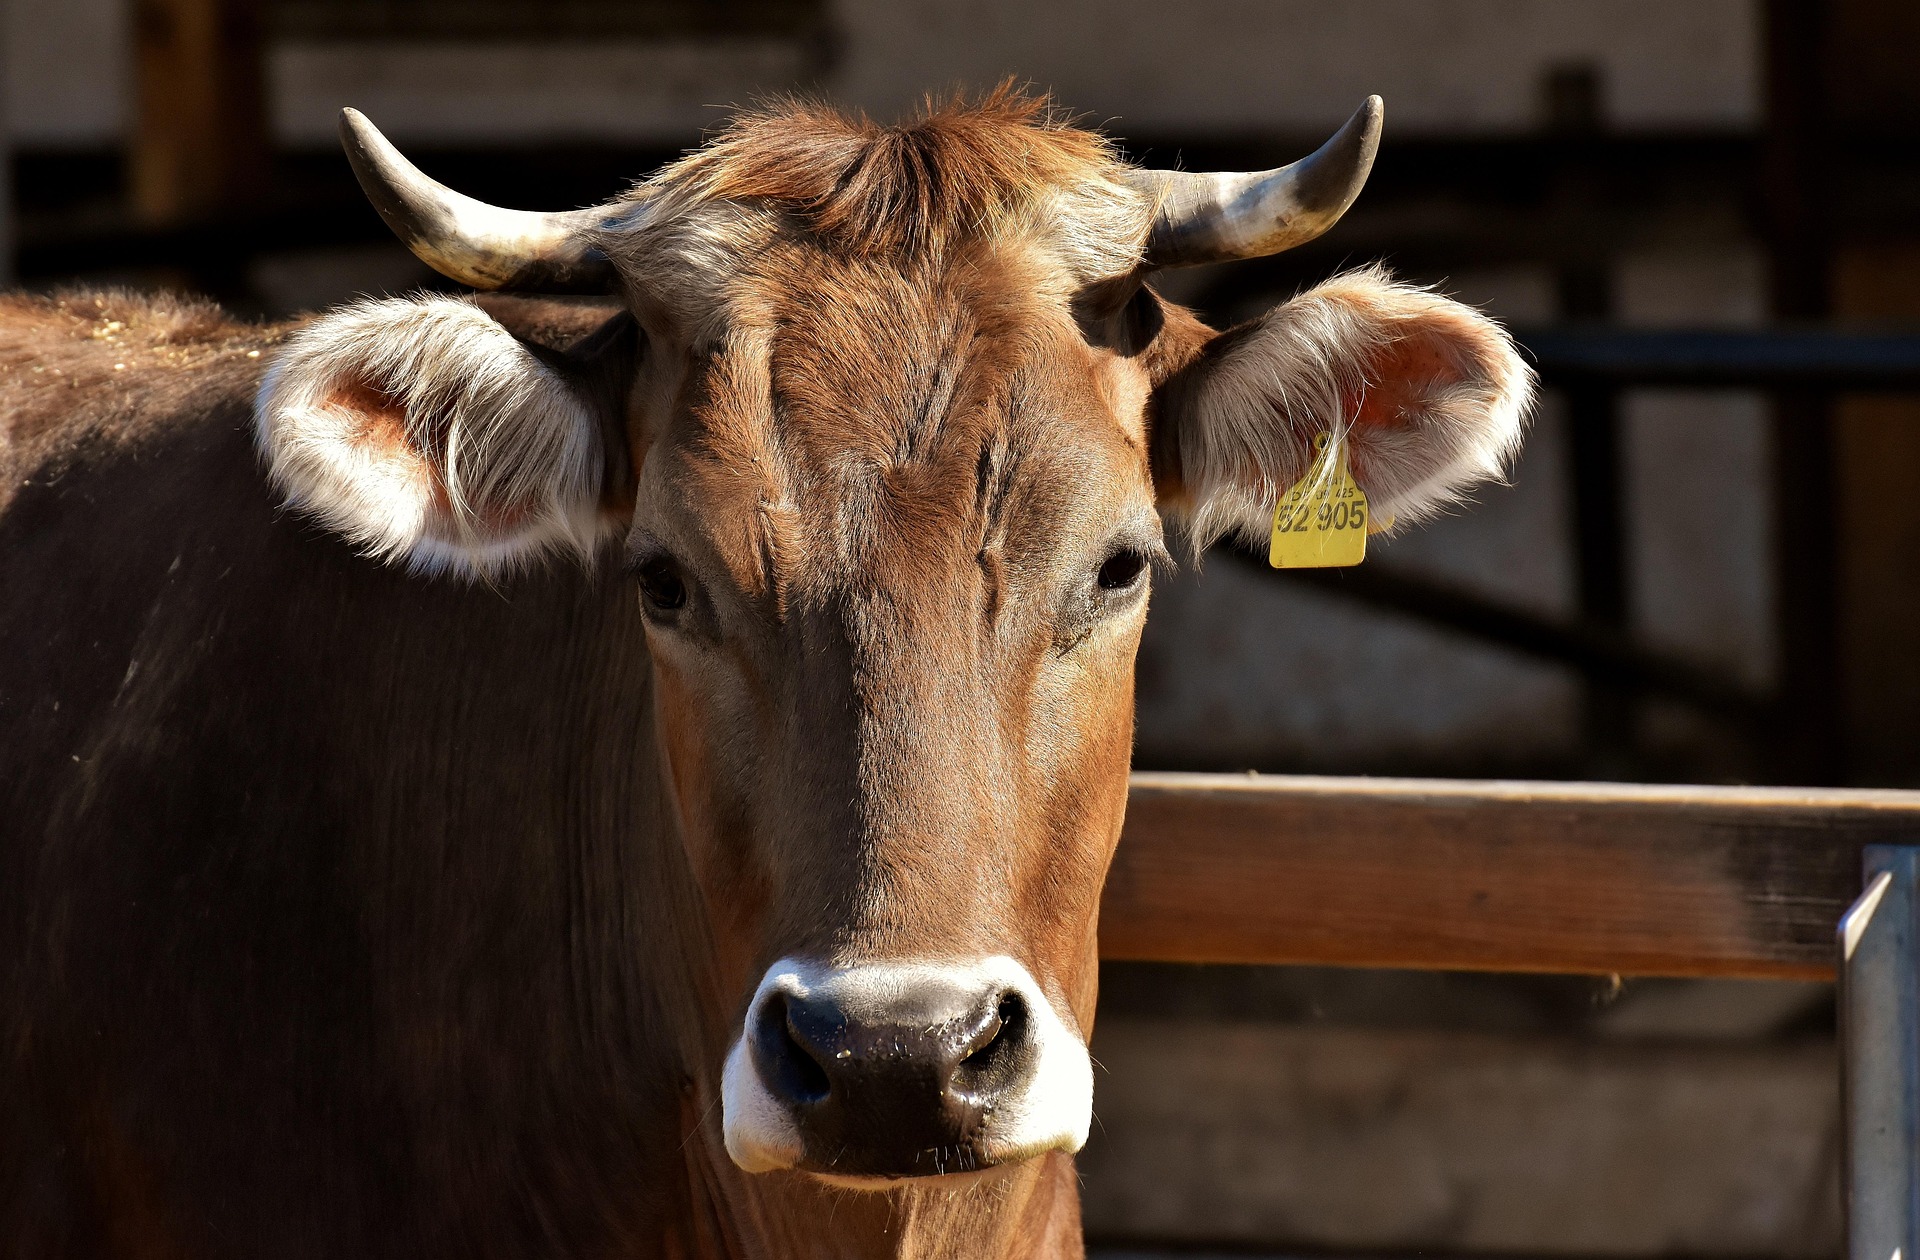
1495,876
200,139
6,168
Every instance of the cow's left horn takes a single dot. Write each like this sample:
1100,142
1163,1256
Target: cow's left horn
1221,216
470,241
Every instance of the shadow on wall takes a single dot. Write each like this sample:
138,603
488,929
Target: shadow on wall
1378,1112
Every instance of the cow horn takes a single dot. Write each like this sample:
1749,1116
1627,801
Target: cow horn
470,241
1205,217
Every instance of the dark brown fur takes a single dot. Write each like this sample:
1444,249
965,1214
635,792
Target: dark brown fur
313,944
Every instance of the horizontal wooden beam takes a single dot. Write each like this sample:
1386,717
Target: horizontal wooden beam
1443,874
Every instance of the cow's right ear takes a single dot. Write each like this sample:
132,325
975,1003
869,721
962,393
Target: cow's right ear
426,432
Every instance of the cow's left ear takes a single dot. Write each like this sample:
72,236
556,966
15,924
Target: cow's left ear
427,432
1430,394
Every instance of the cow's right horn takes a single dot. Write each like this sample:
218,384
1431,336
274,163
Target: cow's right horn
470,241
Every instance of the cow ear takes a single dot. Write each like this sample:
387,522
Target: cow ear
1430,395
427,433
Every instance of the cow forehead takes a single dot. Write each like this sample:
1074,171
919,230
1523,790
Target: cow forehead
856,417
885,367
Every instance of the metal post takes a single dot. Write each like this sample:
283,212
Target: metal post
1880,1057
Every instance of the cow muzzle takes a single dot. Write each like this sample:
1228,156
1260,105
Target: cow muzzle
872,1073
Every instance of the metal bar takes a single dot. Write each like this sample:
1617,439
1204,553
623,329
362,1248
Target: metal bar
1809,743
1772,358
1596,651
1880,1057
1600,566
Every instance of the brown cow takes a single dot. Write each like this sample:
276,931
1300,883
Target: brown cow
744,905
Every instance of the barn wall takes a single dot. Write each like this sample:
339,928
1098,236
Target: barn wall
68,76
1213,66
1319,1110
1402,1142
1221,67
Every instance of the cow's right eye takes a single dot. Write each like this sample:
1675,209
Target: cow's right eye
661,585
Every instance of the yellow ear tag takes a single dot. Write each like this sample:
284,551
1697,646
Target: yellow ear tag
1321,523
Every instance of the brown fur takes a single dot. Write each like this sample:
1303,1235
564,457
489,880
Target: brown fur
84,366
903,192
373,915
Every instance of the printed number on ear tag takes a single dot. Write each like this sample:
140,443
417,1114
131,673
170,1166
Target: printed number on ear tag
1321,523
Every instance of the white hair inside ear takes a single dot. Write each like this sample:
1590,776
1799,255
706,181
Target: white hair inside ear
1429,398
424,432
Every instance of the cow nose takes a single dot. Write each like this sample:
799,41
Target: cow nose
899,1090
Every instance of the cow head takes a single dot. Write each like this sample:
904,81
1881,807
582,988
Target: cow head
885,434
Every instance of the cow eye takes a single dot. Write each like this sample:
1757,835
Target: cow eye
661,584
1122,569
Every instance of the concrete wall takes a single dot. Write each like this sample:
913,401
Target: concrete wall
1204,67
1288,65
1399,1142
67,77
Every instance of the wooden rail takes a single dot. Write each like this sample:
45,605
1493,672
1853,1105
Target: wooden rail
1494,876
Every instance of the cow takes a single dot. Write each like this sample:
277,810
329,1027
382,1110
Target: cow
623,760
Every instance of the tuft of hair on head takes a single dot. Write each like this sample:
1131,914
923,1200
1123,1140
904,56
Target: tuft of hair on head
954,169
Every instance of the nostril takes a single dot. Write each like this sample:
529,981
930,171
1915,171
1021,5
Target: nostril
787,1056
810,1078
1004,1037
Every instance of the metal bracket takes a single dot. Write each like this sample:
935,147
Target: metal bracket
1880,1057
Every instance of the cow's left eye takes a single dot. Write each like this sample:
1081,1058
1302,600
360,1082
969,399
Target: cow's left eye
1122,569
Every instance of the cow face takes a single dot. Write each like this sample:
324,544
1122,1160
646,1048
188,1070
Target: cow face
892,542
886,439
